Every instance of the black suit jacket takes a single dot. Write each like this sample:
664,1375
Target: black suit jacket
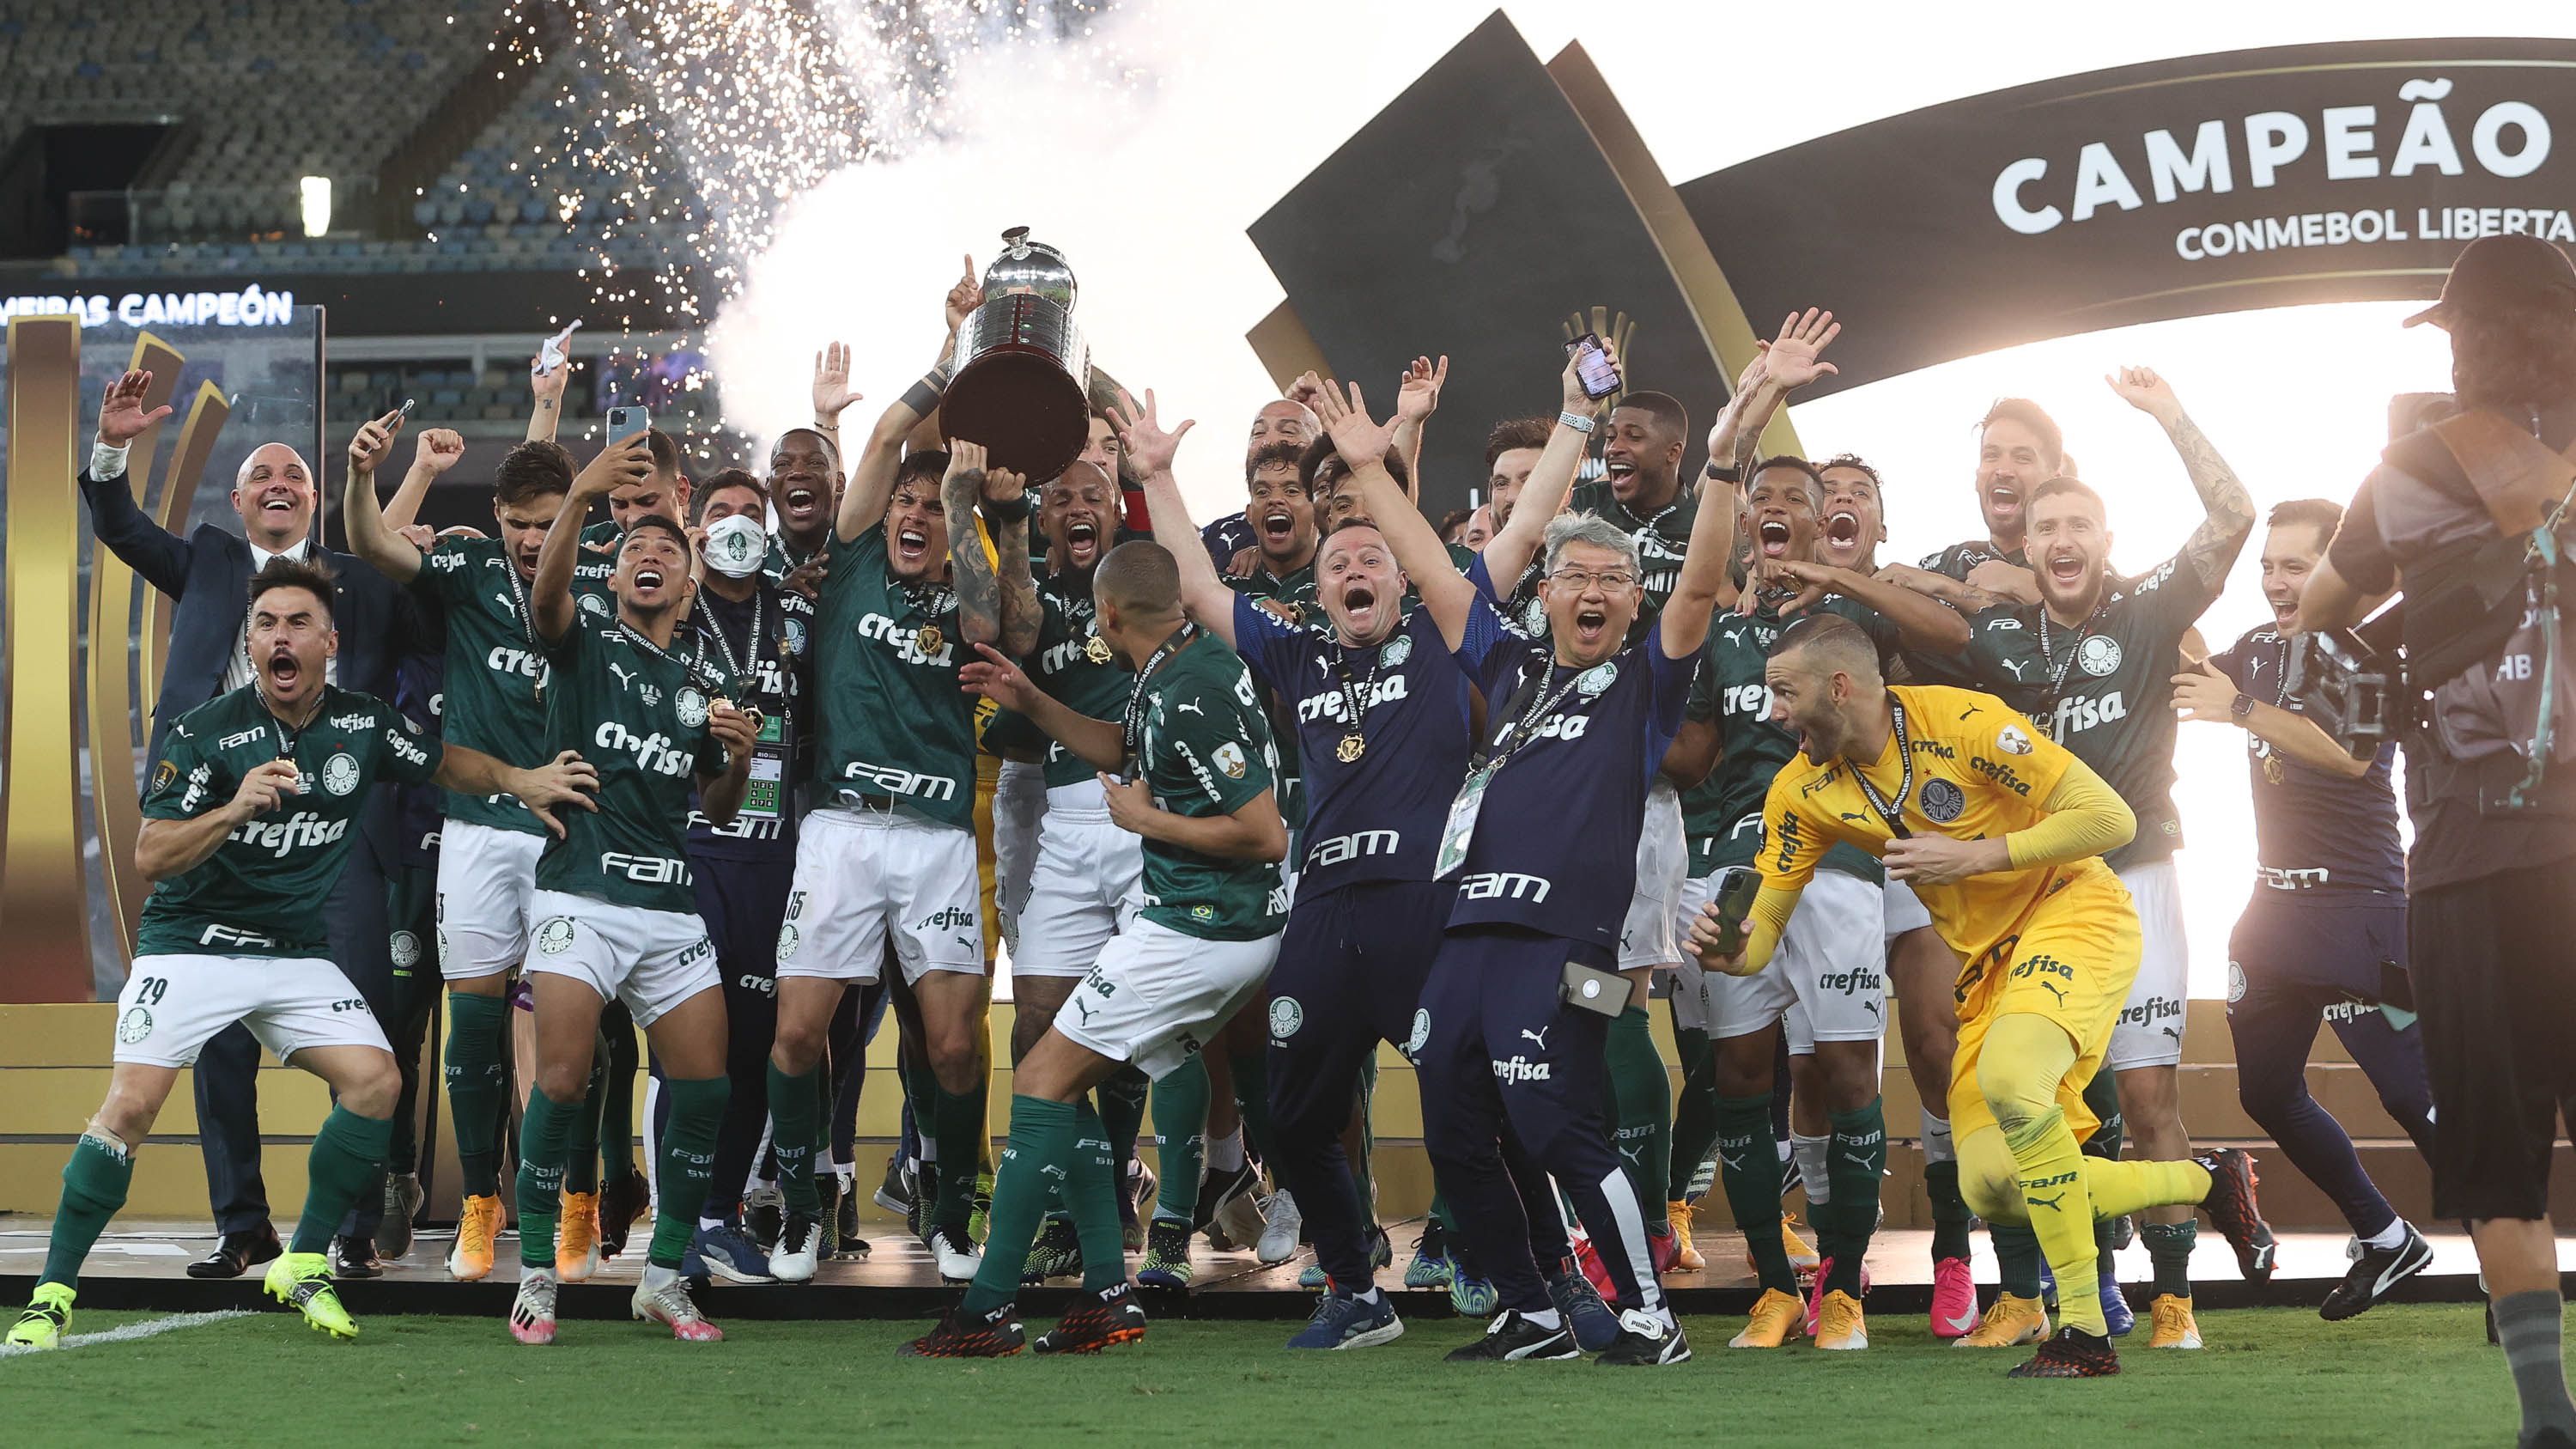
208,576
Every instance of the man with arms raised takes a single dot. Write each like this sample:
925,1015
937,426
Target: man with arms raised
1998,829
249,819
615,917
889,850
2325,934
493,702
2019,447
1195,769
1381,704
2094,664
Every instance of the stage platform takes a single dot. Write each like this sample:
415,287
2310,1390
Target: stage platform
143,1265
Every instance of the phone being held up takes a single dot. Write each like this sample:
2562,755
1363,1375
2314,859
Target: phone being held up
1592,366
624,423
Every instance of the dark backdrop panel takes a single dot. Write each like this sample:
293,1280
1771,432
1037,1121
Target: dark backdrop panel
1472,216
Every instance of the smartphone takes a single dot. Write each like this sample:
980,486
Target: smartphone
1592,366
1734,901
624,423
408,405
1604,993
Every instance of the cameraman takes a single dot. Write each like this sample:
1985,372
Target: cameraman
2453,510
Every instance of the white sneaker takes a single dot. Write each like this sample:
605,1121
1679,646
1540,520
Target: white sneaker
532,1313
799,1249
663,1297
957,1258
1281,1223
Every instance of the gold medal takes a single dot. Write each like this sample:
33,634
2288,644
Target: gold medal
1096,649
930,638
1350,749
2272,770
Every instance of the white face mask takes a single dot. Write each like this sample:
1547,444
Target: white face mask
737,545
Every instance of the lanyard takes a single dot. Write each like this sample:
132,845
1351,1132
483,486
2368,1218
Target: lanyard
2048,655
1521,731
1892,813
751,643
520,611
1132,720
1357,695
692,667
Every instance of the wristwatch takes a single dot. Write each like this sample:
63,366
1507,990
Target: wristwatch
2242,706
1575,420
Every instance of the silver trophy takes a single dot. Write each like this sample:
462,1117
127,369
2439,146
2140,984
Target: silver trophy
1022,387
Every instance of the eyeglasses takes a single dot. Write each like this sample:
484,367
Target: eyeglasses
1586,578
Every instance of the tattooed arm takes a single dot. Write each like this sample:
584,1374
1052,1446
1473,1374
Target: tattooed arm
1018,586
2212,548
970,572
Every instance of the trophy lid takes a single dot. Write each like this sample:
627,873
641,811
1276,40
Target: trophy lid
1028,266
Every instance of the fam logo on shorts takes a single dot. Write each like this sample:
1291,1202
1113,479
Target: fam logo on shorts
405,950
1941,801
340,774
2099,654
691,707
134,1026
1421,1037
2012,740
554,936
1285,1017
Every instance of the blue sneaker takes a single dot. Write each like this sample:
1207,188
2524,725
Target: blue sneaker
1432,1265
2115,1307
725,1251
1595,1326
1345,1322
1473,1297
1381,1255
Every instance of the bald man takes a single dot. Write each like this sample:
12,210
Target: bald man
206,576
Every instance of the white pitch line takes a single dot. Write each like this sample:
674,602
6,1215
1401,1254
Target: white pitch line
133,1331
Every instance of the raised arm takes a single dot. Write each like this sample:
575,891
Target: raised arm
1735,438
545,413
1417,397
1923,624
371,537
161,557
2212,548
1790,363
1510,550
1418,550
618,464
1101,743
994,605
435,453
1144,443
831,393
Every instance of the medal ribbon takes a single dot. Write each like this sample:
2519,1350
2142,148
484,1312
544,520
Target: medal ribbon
1893,814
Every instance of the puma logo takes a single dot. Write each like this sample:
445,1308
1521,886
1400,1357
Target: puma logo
2049,1203
1190,707
1539,1036
624,675
508,604
2055,990
2016,666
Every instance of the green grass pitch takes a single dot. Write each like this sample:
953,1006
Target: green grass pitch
2403,1375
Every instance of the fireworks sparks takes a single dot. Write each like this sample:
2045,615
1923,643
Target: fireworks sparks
681,127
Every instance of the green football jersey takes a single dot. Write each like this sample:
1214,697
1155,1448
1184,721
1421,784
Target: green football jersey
592,567
890,716
1722,815
1661,536
1297,592
1206,750
638,714
261,892
496,670
1063,666
2105,691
